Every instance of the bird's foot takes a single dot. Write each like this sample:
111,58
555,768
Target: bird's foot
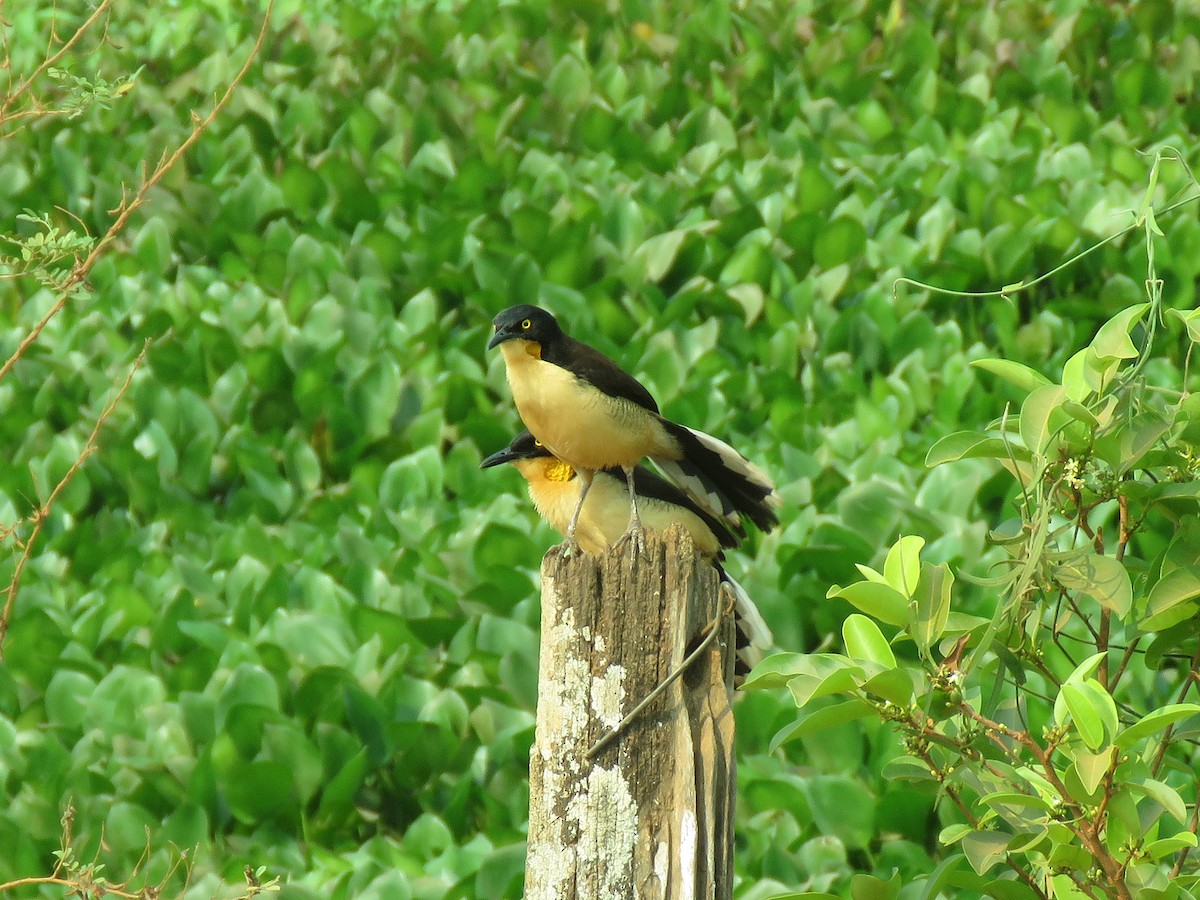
570,547
635,537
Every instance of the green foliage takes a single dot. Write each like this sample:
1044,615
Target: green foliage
280,617
1061,742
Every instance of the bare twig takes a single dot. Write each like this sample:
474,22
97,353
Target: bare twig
127,207
53,58
1192,826
39,516
1189,677
713,628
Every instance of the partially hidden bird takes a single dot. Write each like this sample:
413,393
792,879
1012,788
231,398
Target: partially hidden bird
556,488
592,415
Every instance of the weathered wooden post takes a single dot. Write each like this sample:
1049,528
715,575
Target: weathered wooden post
650,815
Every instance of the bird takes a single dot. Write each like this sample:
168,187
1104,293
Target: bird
594,416
556,487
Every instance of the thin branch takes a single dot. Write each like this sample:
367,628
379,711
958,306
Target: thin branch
54,58
1192,675
126,209
1192,826
1088,832
713,628
40,515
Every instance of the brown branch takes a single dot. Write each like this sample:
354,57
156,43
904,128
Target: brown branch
39,516
1088,832
1192,675
126,209
1102,641
1123,535
1129,652
75,883
53,58
1192,826
953,794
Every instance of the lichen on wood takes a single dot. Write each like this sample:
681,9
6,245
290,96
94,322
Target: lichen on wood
651,815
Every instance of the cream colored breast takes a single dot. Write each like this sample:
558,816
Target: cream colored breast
556,502
576,422
606,511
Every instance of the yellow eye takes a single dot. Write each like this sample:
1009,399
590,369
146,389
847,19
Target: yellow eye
527,324
537,443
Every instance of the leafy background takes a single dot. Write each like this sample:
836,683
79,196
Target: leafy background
277,618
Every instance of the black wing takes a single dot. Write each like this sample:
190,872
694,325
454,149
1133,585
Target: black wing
598,370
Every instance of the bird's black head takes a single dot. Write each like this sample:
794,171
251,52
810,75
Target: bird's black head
526,323
523,446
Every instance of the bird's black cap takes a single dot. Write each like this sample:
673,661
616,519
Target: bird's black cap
523,446
526,322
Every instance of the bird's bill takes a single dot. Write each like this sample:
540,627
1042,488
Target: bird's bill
502,335
500,456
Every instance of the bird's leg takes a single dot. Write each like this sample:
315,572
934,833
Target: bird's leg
634,533
571,543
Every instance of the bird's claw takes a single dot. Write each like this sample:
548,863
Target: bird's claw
635,537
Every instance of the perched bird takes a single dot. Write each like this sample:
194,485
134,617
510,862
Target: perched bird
594,416
556,488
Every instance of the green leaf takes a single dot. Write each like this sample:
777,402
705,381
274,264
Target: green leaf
842,240
261,791
819,719
67,698
895,685
831,674
1191,321
337,795
1171,845
868,887
972,445
953,833
657,254
1036,428
1086,668
1066,889
776,671
502,873
906,768
1164,795
1155,721
1173,599
1100,577
1091,715
932,600
864,641
882,601
1112,341
902,569
1025,378
1091,767
984,849
1074,379
1017,800
842,807
435,157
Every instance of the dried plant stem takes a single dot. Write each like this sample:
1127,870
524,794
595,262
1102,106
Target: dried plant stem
39,516
53,58
128,207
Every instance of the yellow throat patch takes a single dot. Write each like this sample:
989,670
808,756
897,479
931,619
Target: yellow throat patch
559,471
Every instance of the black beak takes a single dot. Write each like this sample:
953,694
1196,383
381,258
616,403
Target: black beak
501,335
500,456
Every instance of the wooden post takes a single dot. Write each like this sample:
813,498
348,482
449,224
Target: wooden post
651,815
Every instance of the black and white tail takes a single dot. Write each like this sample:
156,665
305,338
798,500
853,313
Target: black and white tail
753,636
720,479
